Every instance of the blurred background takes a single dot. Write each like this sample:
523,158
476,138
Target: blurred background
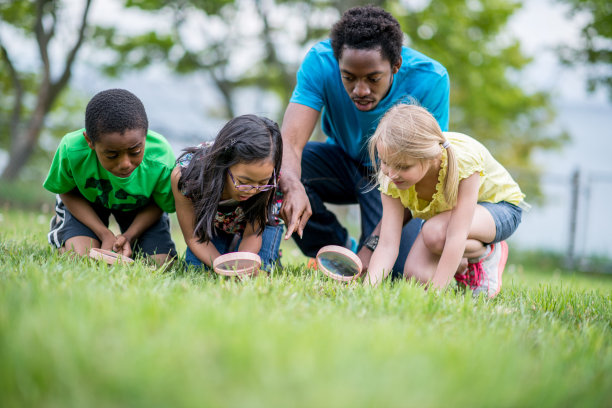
530,79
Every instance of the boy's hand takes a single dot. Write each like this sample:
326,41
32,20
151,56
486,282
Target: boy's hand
108,240
122,246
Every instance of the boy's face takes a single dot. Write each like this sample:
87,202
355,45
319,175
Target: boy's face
366,76
119,153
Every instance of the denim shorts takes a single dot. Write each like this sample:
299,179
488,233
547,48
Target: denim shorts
506,216
155,240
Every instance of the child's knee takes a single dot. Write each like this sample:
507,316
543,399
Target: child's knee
434,236
79,245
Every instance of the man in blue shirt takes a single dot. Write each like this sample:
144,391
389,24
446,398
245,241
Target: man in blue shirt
351,80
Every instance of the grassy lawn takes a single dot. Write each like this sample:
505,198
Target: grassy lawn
77,333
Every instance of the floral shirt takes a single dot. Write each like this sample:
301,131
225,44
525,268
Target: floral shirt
230,215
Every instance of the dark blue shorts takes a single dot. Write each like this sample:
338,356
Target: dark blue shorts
155,240
507,218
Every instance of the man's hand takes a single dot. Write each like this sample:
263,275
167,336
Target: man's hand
296,209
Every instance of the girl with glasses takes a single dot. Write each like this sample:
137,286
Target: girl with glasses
225,192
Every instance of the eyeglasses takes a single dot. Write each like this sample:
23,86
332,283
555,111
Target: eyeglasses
248,187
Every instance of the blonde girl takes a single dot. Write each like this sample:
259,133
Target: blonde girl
469,202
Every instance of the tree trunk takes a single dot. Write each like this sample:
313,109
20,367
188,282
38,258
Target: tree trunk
24,143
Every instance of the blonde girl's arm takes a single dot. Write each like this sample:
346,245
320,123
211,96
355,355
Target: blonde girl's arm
459,225
204,251
251,242
387,249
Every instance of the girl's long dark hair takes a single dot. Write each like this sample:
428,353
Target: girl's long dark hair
244,139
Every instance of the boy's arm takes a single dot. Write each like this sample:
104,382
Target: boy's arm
204,251
457,231
147,216
251,242
82,210
386,252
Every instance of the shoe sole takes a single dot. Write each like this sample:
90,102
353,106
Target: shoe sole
500,267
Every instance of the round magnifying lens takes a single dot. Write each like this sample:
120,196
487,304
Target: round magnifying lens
109,257
237,264
339,263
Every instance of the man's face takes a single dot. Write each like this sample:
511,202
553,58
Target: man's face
366,76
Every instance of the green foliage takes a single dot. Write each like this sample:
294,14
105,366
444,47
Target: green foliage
19,13
595,47
24,195
75,332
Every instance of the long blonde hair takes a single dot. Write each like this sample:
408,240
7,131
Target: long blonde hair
410,131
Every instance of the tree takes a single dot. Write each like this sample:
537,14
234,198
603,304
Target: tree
595,48
26,118
229,32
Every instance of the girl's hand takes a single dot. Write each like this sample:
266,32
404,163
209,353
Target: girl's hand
122,246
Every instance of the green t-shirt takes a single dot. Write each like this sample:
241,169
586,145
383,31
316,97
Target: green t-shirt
76,165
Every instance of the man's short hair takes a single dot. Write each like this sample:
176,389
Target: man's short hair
368,27
114,110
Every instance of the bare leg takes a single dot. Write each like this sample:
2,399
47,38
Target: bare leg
161,259
425,254
420,263
79,245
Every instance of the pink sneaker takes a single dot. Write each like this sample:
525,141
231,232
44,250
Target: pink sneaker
484,274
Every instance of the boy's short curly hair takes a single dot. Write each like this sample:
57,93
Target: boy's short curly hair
368,27
114,110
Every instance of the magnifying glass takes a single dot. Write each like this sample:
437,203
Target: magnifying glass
339,263
237,264
109,257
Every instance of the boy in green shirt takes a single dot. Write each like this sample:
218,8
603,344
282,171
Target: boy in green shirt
113,166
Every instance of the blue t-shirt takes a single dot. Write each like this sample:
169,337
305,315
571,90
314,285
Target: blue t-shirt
319,86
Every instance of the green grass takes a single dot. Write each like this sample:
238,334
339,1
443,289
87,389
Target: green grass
74,332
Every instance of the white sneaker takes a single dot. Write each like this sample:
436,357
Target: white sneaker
484,274
493,265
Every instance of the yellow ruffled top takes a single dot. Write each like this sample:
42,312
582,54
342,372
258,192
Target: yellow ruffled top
496,184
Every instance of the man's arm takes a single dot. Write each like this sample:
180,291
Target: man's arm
298,123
